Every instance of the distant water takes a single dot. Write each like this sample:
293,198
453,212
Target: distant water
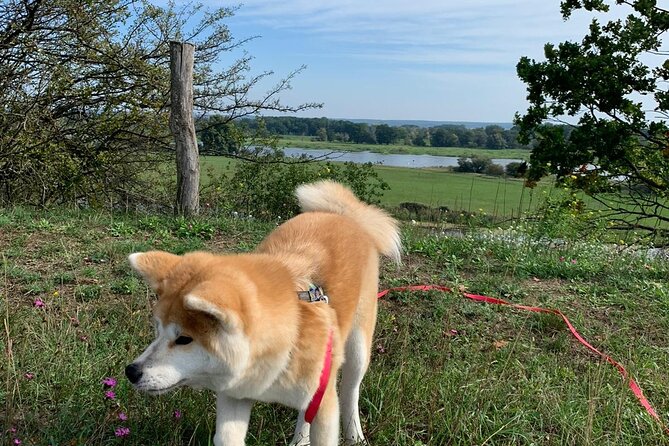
393,160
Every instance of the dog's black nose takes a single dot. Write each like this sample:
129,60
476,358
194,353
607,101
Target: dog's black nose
133,372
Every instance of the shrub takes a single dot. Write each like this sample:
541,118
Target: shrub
516,169
264,186
494,170
185,228
565,216
474,164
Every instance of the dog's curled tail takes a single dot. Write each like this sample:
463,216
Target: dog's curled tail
332,197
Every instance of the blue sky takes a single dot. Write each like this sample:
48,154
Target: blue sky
397,59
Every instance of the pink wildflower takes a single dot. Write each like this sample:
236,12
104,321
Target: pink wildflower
561,258
109,394
573,261
39,303
122,416
122,431
29,376
16,441
109,381
177,414
12,430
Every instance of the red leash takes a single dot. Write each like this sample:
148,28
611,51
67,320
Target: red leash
315,402
491,300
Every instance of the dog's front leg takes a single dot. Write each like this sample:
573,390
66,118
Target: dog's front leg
232,420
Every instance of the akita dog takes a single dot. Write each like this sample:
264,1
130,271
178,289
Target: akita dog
274,325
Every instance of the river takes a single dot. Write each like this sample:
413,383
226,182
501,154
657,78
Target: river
391,159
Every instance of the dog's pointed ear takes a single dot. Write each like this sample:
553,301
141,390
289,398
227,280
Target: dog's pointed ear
153,265
226,318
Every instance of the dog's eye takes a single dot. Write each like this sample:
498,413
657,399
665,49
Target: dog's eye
183,340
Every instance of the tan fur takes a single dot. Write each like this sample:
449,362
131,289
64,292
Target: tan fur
252,298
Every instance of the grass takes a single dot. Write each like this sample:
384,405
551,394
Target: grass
445,370
305,142
497,196
459,191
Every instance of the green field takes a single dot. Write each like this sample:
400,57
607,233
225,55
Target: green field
444,370
438,187
305,142
459,191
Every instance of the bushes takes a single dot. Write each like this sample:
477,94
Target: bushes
516,169
475,164
494,170
264,187
479,164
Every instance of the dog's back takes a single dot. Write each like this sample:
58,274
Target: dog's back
335,243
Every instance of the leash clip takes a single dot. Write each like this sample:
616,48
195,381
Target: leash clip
314,294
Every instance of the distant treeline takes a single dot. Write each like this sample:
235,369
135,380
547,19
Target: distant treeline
323,129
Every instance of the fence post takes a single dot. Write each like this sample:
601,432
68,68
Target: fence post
182,126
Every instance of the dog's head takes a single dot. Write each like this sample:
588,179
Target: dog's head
200,340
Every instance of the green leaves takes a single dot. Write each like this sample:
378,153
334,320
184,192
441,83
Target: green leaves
603,86
84,88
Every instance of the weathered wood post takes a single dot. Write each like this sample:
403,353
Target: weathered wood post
182,126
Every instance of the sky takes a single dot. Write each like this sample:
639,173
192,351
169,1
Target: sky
439,60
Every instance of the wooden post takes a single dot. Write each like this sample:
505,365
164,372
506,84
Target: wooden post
182,126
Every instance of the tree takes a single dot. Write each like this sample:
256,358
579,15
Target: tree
616,152
219,136
452,140
84,88
473,164
420,137
321,134
495,139
478,138
385,134
438,138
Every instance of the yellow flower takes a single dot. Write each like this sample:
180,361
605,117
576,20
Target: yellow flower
56,293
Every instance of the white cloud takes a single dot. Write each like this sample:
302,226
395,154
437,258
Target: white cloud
457,33
422,59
